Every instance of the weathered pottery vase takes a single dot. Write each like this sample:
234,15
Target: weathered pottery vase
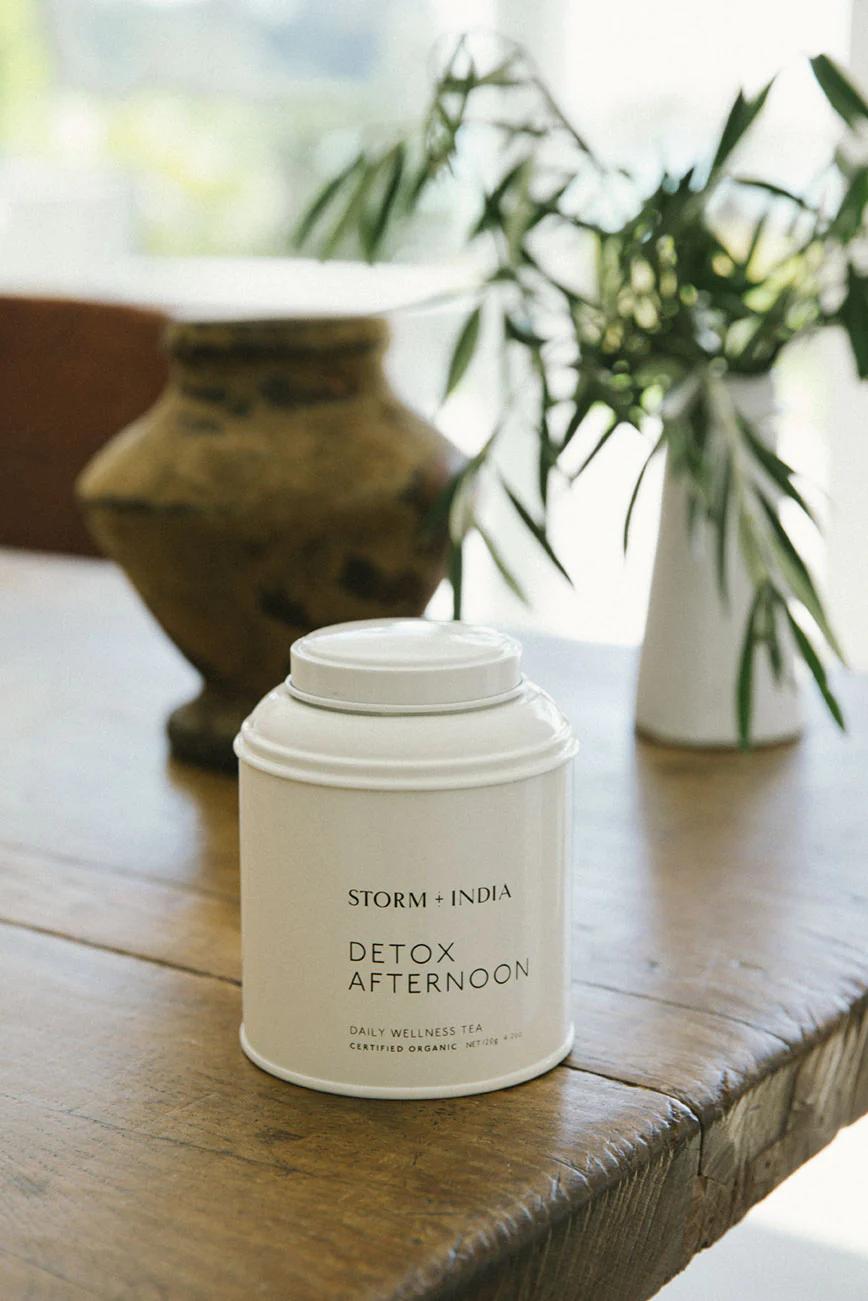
277,485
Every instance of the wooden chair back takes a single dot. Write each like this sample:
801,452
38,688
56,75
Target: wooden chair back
72,373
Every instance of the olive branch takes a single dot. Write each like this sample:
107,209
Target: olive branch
681,295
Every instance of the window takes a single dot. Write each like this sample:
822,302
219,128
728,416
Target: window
195,127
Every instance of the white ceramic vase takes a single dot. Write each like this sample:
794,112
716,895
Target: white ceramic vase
693,637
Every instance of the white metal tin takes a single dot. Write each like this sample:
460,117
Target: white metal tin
405,831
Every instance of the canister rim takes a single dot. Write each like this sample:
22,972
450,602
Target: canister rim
447,707
526,736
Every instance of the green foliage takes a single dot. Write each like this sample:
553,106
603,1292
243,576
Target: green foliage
839,90
701,275
462,353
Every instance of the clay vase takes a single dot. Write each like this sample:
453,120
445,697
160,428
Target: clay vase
277,485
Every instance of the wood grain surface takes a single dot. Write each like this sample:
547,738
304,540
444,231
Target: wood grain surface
721,1002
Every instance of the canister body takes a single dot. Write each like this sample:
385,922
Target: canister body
405,943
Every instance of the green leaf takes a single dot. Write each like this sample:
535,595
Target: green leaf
351,217
583,399
462,353
850,214
536,529
547,455
499,76
741,117
460,512
490,215
546,461
638,484
322,200
437,516
796,573
722,514
815,664
508,180
744,681
854,317
518,220
598,446
390,194
759,230
749,547
518,332
505,572
456,578
428,169
772,640
778,191
482,455
839,90
758,351
777,470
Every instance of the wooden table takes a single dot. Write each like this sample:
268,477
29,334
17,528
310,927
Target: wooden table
720,988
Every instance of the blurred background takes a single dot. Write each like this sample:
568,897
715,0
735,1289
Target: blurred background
139,139
159,151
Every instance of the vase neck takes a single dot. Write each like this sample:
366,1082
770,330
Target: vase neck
752,395
290,361
297,336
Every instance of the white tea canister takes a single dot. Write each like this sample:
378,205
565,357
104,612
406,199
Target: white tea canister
405,832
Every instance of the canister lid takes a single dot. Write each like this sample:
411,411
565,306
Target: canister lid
445,707
404,665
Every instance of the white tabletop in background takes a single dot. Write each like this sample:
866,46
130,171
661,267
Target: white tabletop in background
254,287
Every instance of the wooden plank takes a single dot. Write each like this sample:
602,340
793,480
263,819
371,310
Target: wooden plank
721,906
740,1081
84,773
25,1281
159,920
143,1155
